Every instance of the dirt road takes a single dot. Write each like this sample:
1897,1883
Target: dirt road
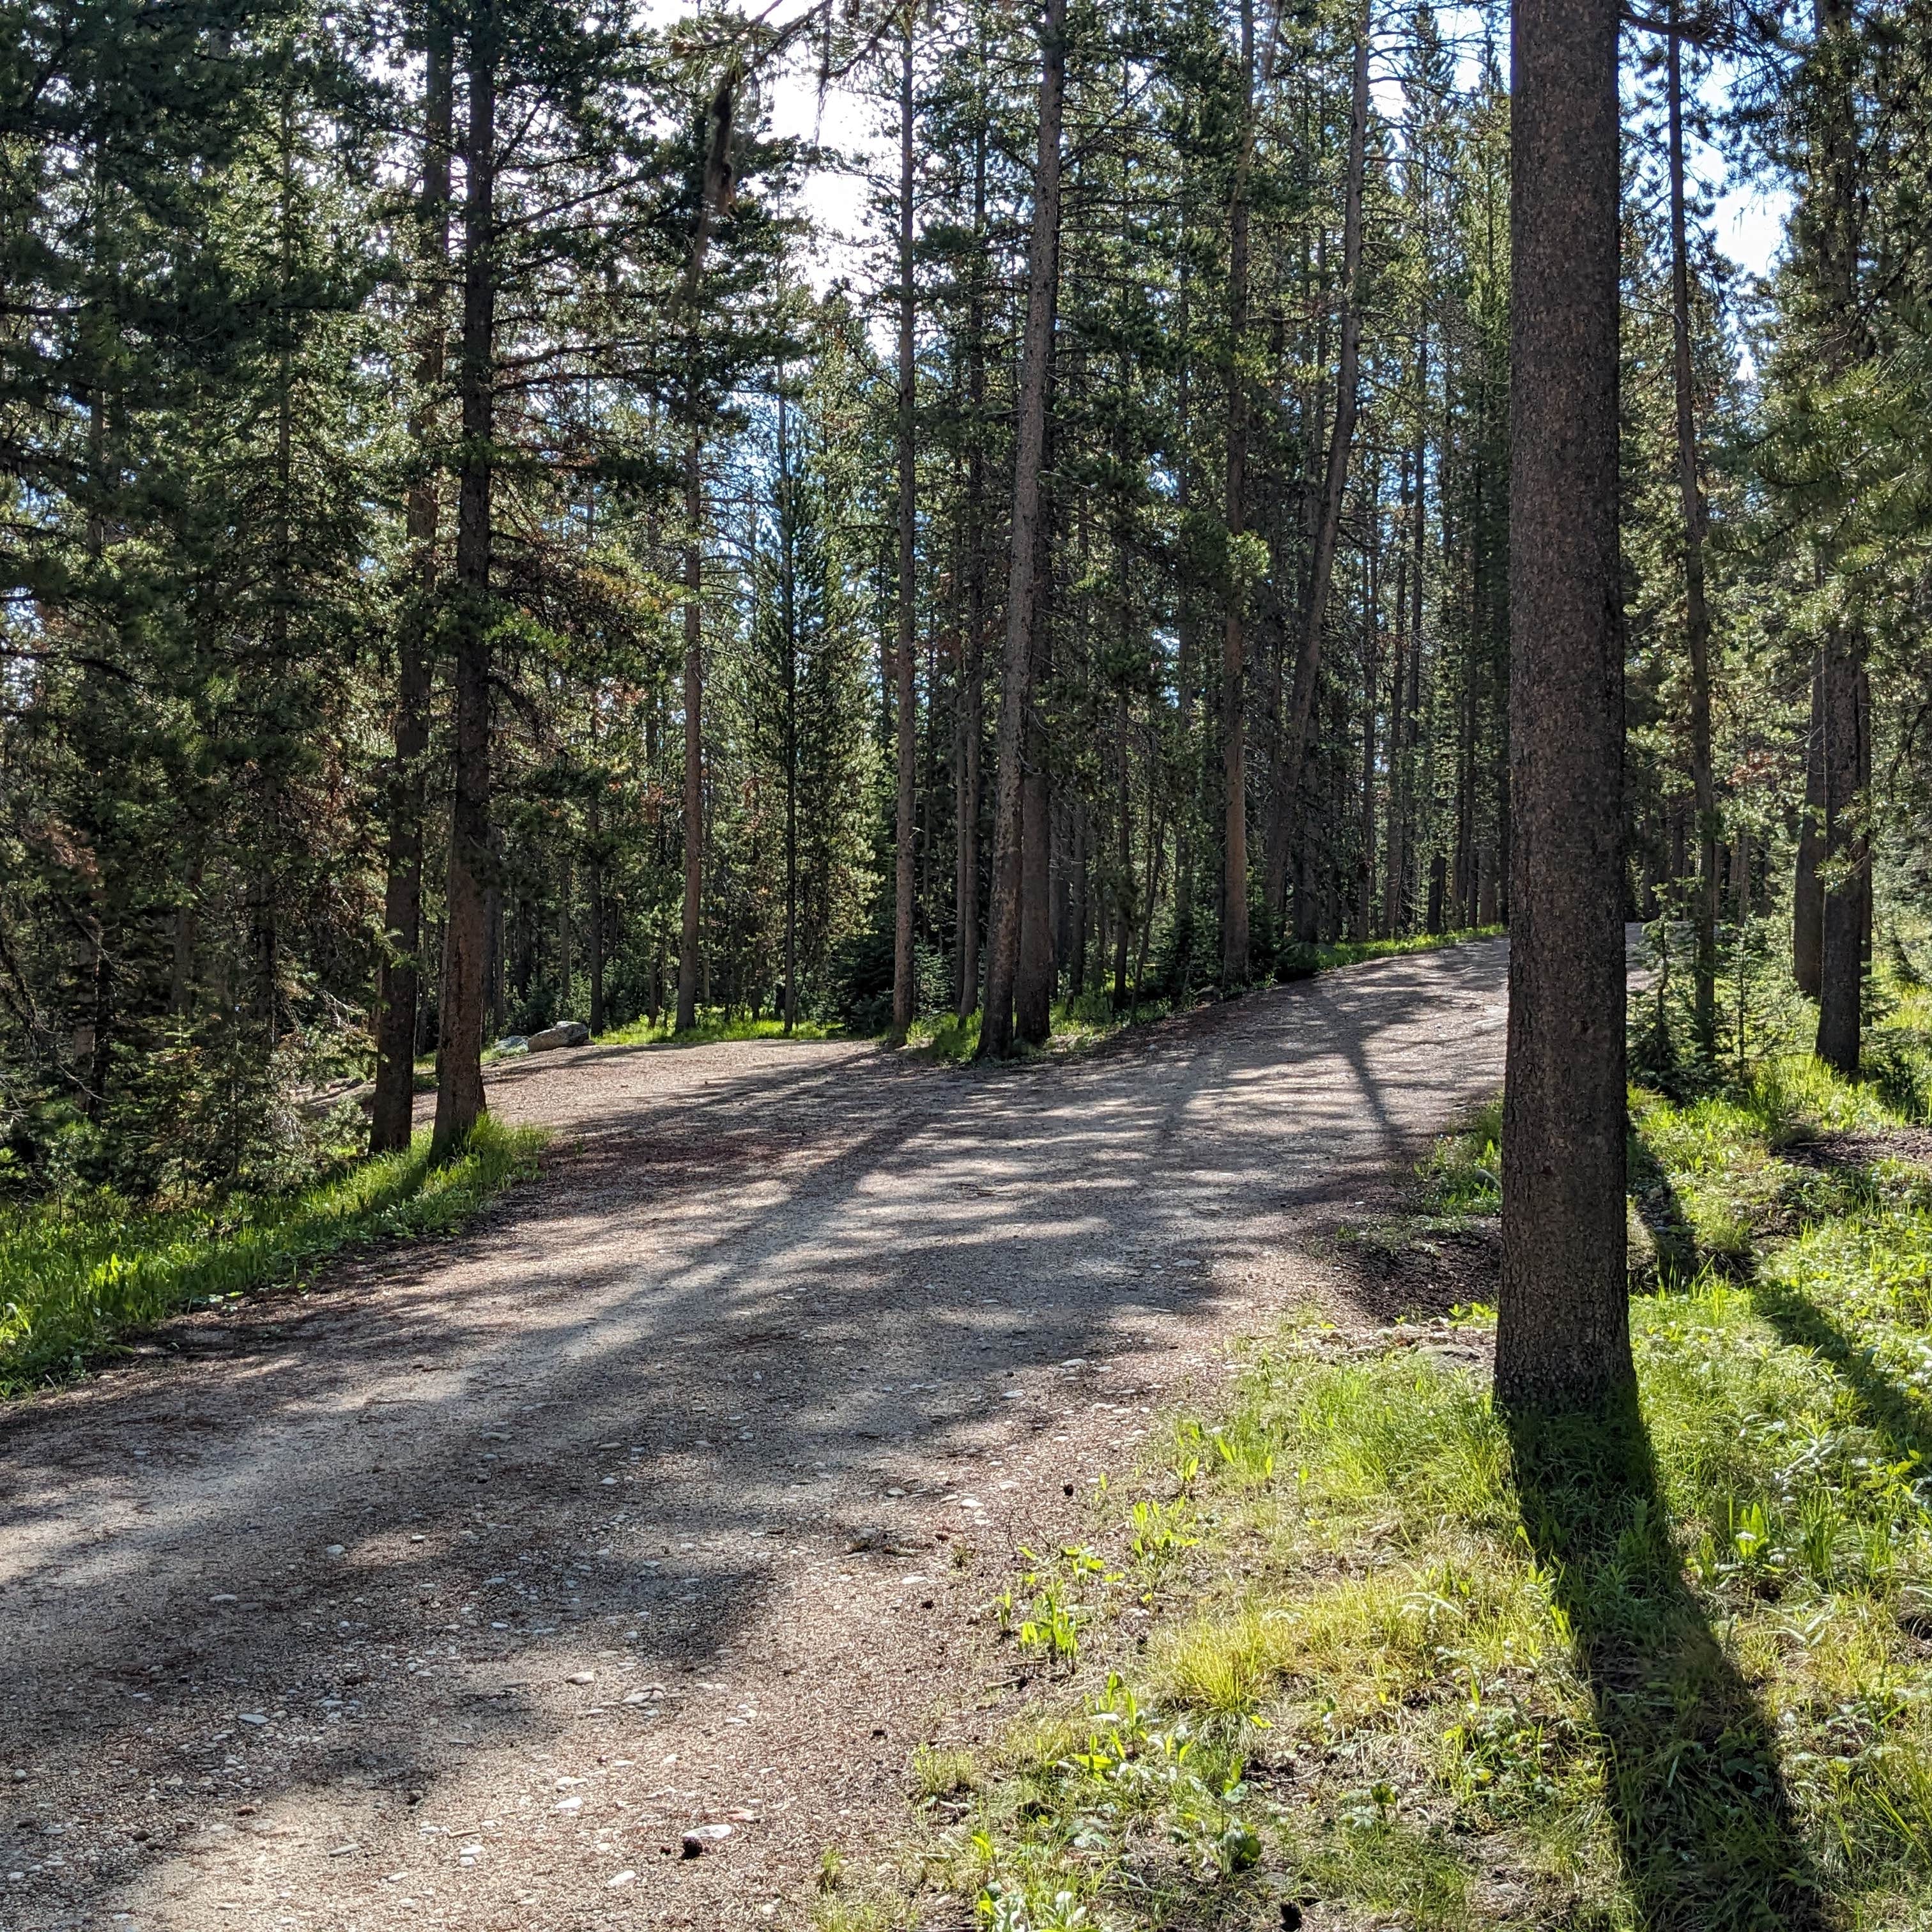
455,1591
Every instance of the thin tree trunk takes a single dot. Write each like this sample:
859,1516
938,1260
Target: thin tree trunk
904,988
1187,675
1841,954
459,1101
1413,702
187,935
688,961
1033,982
1365,865
1807,896
966,983
1023,579
1234,660
1037,972
1328,528
398,979
564,894
1563,1334
596,944
714,197
1465,876
788,612
1830,246
493,914
1697,614
1398,763
1123,893
1076,965
1156,843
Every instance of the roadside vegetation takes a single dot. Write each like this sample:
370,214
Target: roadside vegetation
77,1272
1353,1651
714,1024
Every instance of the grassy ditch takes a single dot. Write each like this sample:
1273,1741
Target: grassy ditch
1349,1653
75,1273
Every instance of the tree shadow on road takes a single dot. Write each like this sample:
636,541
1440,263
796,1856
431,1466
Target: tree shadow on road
1705,1830
749,1295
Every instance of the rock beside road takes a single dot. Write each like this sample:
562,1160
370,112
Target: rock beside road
565,1033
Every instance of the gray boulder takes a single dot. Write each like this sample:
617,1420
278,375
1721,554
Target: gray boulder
565,1033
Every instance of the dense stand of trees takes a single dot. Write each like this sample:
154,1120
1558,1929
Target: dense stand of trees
465,567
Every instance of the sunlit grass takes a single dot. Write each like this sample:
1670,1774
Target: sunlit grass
1463,1173
1076,1024
713,1026
1428,1670
1297,958
75,1273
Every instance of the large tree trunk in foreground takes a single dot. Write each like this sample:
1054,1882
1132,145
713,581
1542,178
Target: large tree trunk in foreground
904,989
398,982
996,1025
459,1056
1563,1334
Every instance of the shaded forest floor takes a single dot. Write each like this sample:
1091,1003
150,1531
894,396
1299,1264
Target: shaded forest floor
673,1492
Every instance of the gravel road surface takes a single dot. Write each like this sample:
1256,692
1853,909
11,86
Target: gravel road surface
454,1591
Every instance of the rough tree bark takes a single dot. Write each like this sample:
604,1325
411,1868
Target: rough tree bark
460,1100
1563,1334
398,981
996,1027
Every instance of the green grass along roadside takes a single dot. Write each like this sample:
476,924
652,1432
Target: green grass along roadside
75,1274
1082,1023
713,1025
1348,1655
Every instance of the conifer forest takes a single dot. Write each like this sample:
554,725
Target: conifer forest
966,965
475,557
